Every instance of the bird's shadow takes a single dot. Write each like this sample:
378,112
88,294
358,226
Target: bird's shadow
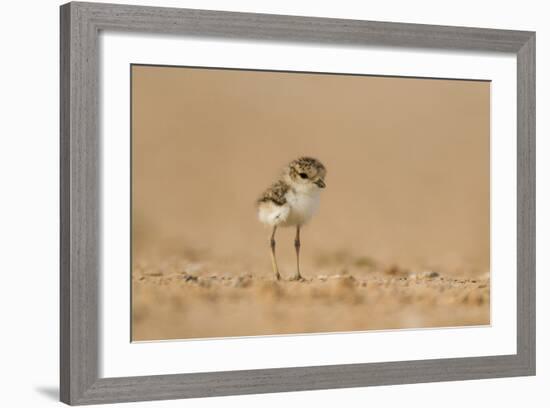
49,392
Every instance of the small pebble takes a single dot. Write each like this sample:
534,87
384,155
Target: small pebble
154,273
242,282
190,278
430,274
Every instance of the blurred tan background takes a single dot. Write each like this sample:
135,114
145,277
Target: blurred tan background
407,160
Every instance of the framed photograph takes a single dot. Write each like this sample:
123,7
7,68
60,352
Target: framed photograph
257,203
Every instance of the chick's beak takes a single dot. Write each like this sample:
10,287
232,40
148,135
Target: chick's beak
320,183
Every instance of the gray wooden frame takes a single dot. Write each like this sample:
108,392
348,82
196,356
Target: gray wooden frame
80,234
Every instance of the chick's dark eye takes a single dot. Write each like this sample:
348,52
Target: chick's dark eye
303,175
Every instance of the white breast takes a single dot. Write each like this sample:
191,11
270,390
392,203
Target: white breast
303,205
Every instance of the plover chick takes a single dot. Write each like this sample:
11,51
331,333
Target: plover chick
291,202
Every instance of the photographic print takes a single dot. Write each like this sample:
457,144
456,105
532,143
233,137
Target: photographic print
280,202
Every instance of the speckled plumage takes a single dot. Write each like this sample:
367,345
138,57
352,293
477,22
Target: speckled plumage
276,193
294,198
292,201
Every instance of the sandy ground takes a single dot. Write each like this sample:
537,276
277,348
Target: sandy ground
402,236
177,299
